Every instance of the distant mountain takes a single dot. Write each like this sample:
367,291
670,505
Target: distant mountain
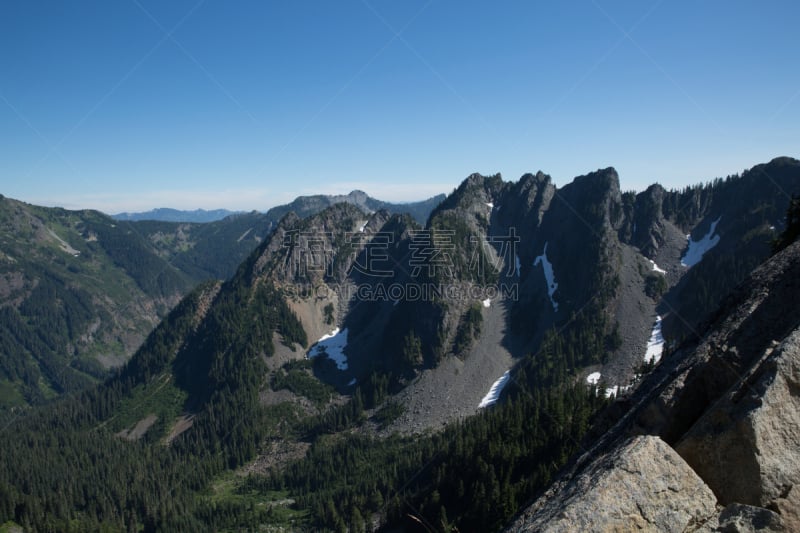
210,250
215,249
419,211
166,214
80,291
304,206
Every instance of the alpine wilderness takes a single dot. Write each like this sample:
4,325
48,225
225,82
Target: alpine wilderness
80,291
429,266
513,356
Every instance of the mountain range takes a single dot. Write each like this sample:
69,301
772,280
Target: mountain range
360,370
166,214
303,206
80,291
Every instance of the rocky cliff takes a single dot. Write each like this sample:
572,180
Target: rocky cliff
514,260
709,441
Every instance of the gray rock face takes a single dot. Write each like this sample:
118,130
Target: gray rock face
649,222
788,506
738,518
745,327
745,446
643,485
729,403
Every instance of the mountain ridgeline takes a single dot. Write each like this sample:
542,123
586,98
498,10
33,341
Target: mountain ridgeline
165,214
80,291
78,294
305,206
449,382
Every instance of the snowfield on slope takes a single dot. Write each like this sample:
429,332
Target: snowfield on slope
332,345
549,277
655,345
656,268
697,249
494,393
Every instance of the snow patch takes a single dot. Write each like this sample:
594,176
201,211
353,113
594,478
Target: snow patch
517,265
655,267
243,235
332,345
64,244
694,254
593,378
548,276
616,390
487,302
352,382
494,393
656,343
363,227
490,204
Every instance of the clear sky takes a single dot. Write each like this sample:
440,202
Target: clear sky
135,104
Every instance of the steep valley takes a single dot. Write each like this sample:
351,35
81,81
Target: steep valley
80,291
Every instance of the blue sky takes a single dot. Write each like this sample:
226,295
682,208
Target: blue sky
135,104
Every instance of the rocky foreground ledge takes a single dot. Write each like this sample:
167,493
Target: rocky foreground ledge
711,440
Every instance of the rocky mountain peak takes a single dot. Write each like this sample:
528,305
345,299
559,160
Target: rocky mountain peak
603,183
309,250
606,175
784,161
358,197
534,181
599,191
475,190
648,224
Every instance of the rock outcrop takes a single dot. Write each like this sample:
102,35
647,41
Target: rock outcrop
745,327
643,485
740,518
745,446
709,442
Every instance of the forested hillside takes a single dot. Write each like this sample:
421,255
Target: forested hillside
78,294
79,291
213,362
